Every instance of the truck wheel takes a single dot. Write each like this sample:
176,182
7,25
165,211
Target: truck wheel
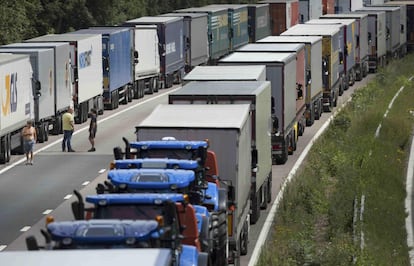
204,236
46,130
222,199
255,208
3,152
263,194
8,145
40,133
156,84
219,236
269,188
244,240
203,259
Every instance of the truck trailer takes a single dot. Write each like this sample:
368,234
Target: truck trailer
281,71
217,30
87,76
171,37
195,32
117,63
361,45
226,73
257,94
62,83
408,6
332,55
313,82
283,14
258,21
228,129
16,91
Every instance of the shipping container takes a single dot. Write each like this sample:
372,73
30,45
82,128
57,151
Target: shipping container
217,30
313,77
283,14
361,37
377,36
86,58
228,129
171,46
16,94
281,71
258,21
196,42
117,64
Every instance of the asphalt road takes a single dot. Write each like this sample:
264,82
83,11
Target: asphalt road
28,193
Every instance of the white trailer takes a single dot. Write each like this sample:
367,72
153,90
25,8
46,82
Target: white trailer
313,84
96,257
61,79
228,129
229,73
87,74
281,71
257,94
42,60
16,94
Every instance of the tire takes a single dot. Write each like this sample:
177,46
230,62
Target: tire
150,87
3,152
222,198
156,84
40,134
218,234
8,150
255,209
46,130
264,195
204,235
269,188
244,240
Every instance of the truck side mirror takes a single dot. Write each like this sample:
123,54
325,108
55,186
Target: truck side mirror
31,243
78,207
37,89
136,57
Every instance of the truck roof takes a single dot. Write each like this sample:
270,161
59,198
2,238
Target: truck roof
96,231
241,72
265,57
65,37
216,8
228,6
153,20
290,39
98,257
206,88
182,14
170,144
344,21
272,47
136,198
197,116
10,57
35,44
311,29
145,178
344,15
102,30
380,8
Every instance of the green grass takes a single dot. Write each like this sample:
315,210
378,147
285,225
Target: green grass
315,223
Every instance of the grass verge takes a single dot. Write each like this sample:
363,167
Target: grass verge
346,204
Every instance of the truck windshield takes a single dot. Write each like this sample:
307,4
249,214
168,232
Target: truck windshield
169,153
133,212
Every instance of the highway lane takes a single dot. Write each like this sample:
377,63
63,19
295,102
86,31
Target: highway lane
124,123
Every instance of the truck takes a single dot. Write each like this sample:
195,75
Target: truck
332,56
195,30
258,21
361,45
257,94
42,60
229,73
217,30
62,82
377,47
408,6
228,129
348,47
238,24
313,82
309,9
117,64
183,223
86,71
170,31
99,257
393,28
299,49
283,14
281,71
16,101
404,8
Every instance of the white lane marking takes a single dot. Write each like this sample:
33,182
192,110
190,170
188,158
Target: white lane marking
47,211
85,127
102,170
85,183
25,229
408,203
2,247
67,196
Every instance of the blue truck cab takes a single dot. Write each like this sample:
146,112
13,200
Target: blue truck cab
118,234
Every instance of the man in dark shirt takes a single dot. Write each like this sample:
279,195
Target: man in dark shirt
92,129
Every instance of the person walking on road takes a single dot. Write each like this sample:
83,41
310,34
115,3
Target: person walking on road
29,139
68,125
92,129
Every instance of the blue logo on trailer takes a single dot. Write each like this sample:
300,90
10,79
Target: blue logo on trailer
85,59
